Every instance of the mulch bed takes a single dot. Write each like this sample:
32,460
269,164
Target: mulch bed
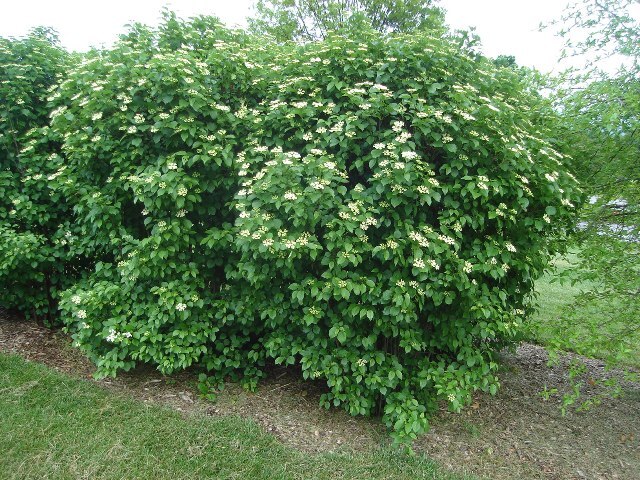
515,435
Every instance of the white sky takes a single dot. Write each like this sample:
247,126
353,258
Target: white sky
508,27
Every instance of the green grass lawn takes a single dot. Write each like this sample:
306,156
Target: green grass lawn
592,330
53,426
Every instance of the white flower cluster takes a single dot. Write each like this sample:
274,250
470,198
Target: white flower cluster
392,244
468,267
419,239
397,126
403,137
552,177
370,221
446,239
510,247
337,127
419,263
117,336
319,184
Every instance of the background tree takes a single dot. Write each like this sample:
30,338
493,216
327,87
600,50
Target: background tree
600,121
307,20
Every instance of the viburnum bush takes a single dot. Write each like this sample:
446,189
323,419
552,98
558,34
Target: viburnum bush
374,210
34,262
152,134
398,205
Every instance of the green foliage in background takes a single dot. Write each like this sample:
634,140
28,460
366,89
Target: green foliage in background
311,20
600,120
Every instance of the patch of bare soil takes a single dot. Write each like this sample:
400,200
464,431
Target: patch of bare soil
515,435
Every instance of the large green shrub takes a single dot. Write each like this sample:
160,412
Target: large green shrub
373,210
34,220
398,205
152,129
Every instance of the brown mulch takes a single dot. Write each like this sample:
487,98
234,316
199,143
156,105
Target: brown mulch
515,435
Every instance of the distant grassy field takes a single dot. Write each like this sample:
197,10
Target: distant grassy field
552,326
56,427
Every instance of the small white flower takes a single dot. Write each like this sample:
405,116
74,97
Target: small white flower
409,155
81,314
290,196
182,191
172,166
112,336
510,247
181,307
76,299
419,263
397,126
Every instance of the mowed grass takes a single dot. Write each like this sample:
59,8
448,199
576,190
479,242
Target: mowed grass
594,330
53,426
